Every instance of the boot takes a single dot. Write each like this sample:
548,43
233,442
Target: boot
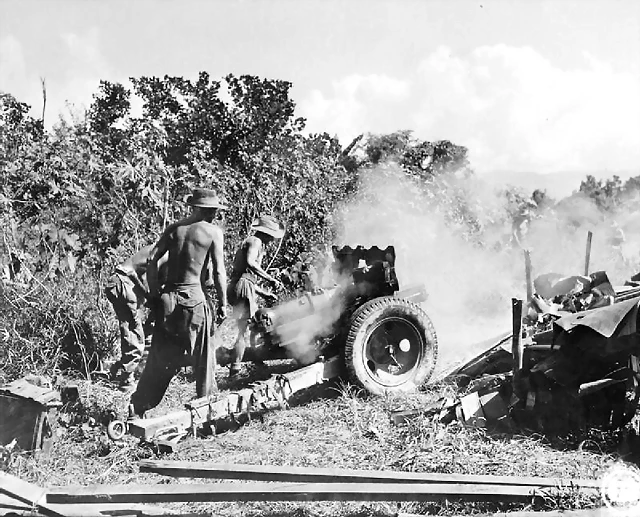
133,414
127,383
115,371
234,370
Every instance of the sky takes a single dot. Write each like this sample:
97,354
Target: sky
538,91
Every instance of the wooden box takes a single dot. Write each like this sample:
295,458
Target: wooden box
28,414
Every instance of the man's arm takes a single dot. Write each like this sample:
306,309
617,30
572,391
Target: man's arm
264,293
158,251
217,264
253,253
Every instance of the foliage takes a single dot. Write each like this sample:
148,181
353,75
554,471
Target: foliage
81,197
50,328
606,193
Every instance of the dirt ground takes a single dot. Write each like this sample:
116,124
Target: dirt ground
338,427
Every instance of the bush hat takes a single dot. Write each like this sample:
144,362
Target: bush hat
206,198
269,225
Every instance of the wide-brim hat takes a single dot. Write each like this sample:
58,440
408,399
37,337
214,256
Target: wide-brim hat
269,225
206,198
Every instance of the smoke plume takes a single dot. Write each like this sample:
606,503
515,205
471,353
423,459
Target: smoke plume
456,237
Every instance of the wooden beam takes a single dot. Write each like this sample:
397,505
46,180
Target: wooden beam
26,493
332,475
307,492
9,503
22,498
528,275
587,255
591,512
146,428
516,346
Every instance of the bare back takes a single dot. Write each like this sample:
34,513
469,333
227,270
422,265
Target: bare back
251,246
189,246
137,263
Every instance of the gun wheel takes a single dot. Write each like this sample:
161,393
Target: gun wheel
391,346
116,430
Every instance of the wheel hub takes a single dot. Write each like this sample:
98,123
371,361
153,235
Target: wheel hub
393,350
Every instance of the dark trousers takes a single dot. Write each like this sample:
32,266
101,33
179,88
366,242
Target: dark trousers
185,328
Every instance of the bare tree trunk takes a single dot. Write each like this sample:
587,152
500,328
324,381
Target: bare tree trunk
165,208
350,147
44,97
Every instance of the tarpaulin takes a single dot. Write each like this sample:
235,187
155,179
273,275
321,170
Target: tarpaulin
604,320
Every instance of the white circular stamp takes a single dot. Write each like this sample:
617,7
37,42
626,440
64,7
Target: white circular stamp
620,487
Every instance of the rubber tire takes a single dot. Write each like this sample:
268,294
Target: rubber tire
116,429
365,319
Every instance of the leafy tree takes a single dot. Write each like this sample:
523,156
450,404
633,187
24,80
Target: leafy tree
631,189
389,147
605,193
541,198
80,198
17,128
110,105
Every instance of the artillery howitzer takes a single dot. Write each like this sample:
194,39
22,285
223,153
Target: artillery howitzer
364,328
386,339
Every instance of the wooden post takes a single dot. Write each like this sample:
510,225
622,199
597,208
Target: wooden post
528,275
587,256
516,347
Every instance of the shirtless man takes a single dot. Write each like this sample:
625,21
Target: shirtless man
243,283
184,324
127,291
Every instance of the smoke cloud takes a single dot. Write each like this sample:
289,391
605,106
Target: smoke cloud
456,238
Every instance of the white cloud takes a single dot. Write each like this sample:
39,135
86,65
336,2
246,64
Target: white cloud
12,60
85,68
79,68
512,107
353,96
14,78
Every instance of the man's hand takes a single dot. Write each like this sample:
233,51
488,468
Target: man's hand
271,296
221,314
277,284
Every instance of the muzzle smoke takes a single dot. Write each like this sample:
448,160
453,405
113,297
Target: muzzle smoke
456,238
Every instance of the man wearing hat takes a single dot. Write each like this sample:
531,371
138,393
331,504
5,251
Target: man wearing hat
243,283
184,323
